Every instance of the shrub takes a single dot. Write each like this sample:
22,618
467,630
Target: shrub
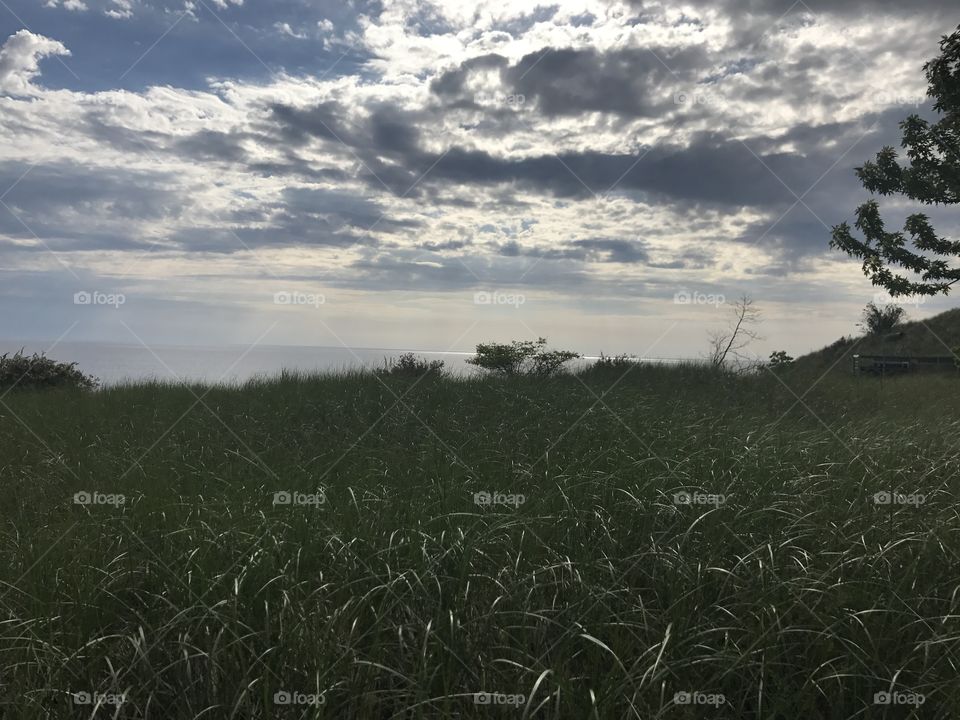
878,320
613,363
39,371
410,365
521,357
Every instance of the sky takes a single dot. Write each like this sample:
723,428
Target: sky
411,174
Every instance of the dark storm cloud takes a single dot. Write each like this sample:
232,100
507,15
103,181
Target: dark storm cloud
452,82
212,145
796,81
341,209
711,169
323,121
303,216
602,250
638,82
383,132
63,238
766,173
393,271
71,207
688,259
632,82
563,251
829,195
404,270
53,188
392,134
445,245
96,124
614,250
204,145
284,230
286,131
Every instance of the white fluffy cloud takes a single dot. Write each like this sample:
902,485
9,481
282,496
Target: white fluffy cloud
20,60
121,10
72,5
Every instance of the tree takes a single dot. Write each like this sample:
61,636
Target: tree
931,177
521,357
780,359
878,320
738,334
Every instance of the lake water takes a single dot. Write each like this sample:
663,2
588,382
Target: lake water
116,363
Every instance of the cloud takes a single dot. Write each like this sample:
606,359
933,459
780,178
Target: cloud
565,81
765,8
20,59
120,10
709,168
614,250
453,146
72,5
285,29
72,208
597,250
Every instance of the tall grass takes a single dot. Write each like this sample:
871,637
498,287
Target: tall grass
393,595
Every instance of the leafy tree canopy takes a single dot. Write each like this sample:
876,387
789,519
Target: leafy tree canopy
521,357
931,176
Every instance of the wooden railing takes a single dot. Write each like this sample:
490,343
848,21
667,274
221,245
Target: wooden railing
894,364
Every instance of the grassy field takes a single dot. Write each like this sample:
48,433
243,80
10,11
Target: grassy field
591,589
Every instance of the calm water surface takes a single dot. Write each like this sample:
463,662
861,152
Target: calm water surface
117,363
